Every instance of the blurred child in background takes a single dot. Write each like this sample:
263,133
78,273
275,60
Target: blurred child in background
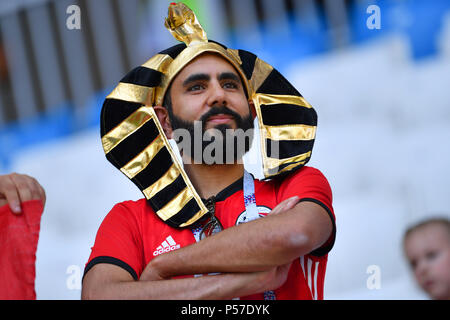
427,248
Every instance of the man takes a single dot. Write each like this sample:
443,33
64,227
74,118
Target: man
157,248
427,248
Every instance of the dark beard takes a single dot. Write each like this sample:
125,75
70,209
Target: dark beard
231,138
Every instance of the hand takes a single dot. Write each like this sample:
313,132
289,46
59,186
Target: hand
285,205
17,188
272,279
150,272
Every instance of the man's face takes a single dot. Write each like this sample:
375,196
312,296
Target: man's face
209,93
428,252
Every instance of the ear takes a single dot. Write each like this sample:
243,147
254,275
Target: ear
163,117
251,105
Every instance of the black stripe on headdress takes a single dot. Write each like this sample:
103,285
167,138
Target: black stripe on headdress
155,170
248,62
143,77
160,199
132,145
284,114
275,83
185,214
114,112
282,149
174,51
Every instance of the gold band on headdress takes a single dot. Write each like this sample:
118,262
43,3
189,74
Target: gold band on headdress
184,26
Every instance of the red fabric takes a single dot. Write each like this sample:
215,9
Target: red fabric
19,235
131,233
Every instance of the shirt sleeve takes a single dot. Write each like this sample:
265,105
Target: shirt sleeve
118,241
309,184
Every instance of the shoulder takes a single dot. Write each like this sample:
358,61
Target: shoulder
310,184
306,172
307,182
130,210
132,205
306,176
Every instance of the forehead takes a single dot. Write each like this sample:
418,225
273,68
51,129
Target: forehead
207,63
431,236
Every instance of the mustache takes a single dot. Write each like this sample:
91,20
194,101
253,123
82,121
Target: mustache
215,110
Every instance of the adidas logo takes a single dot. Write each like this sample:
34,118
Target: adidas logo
167,245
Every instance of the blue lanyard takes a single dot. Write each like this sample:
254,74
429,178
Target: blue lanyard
251,210
252,213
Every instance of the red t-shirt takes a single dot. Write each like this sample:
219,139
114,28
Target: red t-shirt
131,235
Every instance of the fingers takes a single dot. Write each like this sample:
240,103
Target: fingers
9,192
284,268
275,277
17,188
36,192
285,205
24,188
282,272
42,194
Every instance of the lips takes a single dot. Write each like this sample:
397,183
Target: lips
428,284
220,118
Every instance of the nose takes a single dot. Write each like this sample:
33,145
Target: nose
421,269
217,95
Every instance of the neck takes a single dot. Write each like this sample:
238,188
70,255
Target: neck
209,180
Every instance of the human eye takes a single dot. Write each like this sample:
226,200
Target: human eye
230,85
195,87
431,255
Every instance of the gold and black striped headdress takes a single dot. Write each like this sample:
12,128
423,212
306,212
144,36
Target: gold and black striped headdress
135,143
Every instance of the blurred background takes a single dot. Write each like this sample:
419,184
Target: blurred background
375,71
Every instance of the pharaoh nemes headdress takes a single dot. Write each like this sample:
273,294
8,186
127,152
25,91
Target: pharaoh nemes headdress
135,143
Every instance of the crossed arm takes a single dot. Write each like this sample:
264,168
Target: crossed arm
252,258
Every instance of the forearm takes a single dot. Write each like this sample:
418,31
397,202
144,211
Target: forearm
254,246
214,287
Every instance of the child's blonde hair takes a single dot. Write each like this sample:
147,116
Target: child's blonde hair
437,220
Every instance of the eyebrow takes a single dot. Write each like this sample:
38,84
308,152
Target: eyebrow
196,77
205,77
229,76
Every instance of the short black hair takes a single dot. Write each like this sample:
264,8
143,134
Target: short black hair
167,100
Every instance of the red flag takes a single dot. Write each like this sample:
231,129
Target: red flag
19,235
